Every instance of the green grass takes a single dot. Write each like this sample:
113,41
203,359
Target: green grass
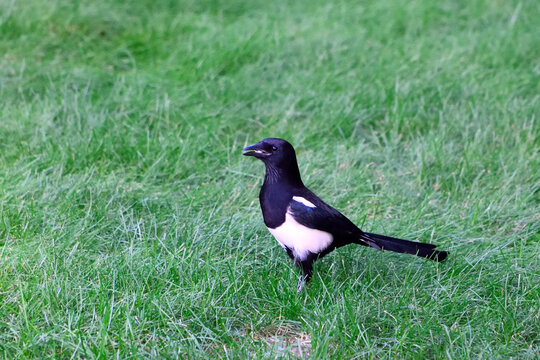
129,221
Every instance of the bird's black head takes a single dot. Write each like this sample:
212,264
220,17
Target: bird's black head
278,156
272,150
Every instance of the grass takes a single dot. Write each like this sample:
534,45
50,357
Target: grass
129,222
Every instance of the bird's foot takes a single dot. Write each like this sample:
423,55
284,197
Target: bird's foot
301,283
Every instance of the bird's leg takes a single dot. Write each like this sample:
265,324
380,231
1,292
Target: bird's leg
307,272
289,252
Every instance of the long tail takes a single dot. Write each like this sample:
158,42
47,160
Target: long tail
427,251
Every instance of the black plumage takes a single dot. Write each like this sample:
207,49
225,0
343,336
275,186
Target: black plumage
305,226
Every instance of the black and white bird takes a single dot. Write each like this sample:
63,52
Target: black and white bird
304,225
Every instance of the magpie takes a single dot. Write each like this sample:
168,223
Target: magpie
305,226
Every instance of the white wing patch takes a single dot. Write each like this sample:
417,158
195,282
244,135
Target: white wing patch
301,239
303,201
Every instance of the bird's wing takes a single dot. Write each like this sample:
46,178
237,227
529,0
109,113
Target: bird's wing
309,210
316,214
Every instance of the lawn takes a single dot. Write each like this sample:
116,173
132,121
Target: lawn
129,221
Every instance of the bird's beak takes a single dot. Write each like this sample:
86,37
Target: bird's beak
255,150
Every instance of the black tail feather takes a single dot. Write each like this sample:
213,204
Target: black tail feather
427,251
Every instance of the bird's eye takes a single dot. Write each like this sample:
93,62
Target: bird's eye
274,148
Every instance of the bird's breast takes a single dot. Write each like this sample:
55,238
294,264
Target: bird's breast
301,239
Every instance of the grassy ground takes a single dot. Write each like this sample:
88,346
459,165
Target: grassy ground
129,222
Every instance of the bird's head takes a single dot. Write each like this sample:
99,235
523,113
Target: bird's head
279,157
272,151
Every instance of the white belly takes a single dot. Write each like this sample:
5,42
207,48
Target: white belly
301,239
